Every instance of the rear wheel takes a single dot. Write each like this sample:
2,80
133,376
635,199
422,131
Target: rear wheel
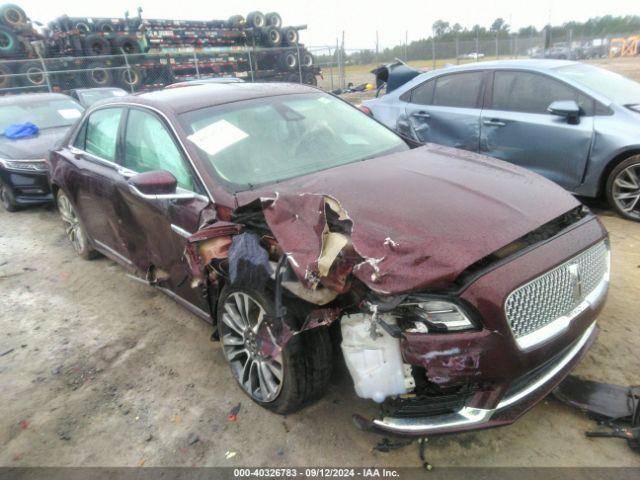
623,188
74,228
286,382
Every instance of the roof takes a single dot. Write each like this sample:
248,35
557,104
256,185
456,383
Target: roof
180,100
529,63
32,97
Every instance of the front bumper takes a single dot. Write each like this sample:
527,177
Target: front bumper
507,410
29,188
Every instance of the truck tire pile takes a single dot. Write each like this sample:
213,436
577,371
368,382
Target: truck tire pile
89,51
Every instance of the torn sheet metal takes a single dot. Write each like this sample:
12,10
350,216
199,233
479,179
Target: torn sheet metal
212,241
273,335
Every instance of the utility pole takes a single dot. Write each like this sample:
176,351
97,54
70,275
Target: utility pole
406,45
433,49
377,48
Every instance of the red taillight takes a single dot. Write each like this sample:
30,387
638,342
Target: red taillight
366,110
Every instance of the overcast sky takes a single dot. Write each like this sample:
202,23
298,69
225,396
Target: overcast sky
358,18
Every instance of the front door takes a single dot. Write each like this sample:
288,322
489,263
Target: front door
446,110
517,127
157,227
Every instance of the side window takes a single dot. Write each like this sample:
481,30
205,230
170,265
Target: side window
458,90
150,146
101,135
81,137
533,93
423,94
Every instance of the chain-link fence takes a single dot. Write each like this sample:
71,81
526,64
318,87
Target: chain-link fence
137,71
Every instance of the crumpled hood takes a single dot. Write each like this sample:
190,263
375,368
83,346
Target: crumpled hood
33,147
419,218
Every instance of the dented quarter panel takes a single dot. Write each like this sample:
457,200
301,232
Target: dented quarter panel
430,201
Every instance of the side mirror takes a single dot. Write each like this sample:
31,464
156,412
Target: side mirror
565,108
157,182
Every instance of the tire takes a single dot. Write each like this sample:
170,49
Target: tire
74,228
292,78
256,20
290,36
623,188
127,43
271,37
130,78
83,27
235,21
5,81
98,76
9,44
304,365
13,16
307,59
273,19
95,45
288,60
34,75
105,26
7,198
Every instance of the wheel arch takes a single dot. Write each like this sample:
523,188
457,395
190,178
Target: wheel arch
613,163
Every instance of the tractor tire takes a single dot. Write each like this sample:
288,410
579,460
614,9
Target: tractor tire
13,16
98,76
34,75
273,19
256,20
290,36
127,43
5,80
95,45
9,44
271,37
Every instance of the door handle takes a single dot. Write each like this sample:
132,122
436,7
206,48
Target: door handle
421,114
494,122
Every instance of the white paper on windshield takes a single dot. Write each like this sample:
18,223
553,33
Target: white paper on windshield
216,137
69,113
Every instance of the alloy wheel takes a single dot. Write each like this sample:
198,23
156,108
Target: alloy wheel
74,229
261,377
626,190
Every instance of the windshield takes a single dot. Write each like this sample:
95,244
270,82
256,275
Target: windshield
266,140
42,113
91,97
617,88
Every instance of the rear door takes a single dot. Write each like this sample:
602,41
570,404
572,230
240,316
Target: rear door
158,227
517,127
95,173
446,110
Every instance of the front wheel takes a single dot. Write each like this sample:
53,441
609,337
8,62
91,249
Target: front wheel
8,198
623,188
74,228
286,382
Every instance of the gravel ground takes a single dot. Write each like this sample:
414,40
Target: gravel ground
97,369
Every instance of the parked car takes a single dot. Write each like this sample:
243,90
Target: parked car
575,124
23,168
88,96
279,212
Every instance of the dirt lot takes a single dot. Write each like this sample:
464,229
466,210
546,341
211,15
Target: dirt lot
97,369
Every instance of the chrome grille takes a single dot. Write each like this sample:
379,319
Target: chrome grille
557,292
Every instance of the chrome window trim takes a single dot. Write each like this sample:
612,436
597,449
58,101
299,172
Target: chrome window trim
90,111
468,415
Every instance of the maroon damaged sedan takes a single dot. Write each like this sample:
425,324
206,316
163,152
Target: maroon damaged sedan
459,289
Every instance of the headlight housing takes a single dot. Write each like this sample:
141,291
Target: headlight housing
438,315
36,165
